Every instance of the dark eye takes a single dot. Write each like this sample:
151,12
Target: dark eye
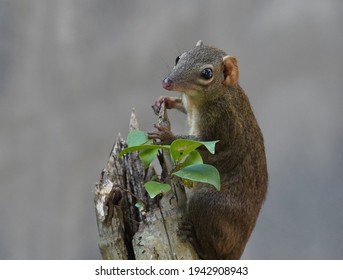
177,60
206,73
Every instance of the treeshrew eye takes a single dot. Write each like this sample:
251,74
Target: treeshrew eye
177,60
206,73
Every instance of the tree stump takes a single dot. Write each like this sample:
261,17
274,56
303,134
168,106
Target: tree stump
126,232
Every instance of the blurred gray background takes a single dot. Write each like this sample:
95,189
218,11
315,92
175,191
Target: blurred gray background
71,71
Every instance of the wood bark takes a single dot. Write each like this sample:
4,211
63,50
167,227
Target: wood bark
124,231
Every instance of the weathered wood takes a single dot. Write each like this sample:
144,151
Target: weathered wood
124,231
110,218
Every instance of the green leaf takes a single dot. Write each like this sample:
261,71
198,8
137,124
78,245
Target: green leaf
210,145
147,156
142,147
136,138
180,148
140,205
204,173
194,157
154,188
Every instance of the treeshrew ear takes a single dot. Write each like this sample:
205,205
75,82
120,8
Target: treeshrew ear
231,71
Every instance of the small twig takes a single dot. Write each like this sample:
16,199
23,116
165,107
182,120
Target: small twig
164,122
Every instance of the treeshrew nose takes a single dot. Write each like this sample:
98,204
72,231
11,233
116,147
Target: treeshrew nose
167,83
